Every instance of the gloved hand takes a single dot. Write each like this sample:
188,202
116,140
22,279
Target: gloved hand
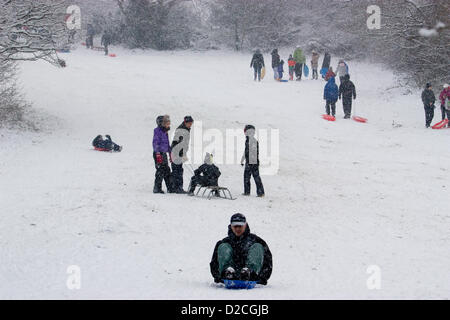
242,164
159,158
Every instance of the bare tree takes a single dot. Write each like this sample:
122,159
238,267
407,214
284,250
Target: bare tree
31,30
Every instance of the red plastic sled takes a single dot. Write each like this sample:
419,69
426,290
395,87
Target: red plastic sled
102,149
441,124
328,117
360,119
113,55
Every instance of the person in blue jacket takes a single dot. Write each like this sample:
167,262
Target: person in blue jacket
331,95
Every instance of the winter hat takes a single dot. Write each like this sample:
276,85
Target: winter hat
208,158
446,86
347,77
258,51
188,119
159,121
428,85
238,219
248,127
166,119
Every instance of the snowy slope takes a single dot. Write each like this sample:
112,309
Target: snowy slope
346,196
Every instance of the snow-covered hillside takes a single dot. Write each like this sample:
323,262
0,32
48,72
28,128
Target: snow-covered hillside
347,195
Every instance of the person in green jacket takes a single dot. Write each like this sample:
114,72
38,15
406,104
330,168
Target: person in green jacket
300,60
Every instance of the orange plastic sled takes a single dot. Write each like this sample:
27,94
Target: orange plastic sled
328,117
440,125
360,119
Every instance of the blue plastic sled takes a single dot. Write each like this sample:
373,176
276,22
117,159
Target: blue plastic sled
305,70
323,72
239,284
284,80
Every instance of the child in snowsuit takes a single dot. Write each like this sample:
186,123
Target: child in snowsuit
331,95
444,97
107,144
315,65
251,158
428,99
161,148
347,91
291,64
280,70
207,175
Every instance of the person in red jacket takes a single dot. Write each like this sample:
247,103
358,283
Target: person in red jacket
330,74
444,97
291,64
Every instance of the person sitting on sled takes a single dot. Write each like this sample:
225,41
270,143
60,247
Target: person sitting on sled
207,175
242,255
107,144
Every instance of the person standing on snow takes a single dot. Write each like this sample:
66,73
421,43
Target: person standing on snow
161,148
106,41
275,63
444,97
242,255
251,158
280,70
300,60
347,92
291,64
331,95
342,70
325,64
257,64
428,99
315,64
179,149
90,37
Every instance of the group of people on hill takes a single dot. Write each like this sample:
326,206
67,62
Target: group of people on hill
207,175
296,62
429,101
105,42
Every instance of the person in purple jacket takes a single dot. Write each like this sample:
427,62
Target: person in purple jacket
161,148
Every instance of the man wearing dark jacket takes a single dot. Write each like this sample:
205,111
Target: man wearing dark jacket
179,148
90,37
242,255
251,158
347,92
161,148
106,41
257,64
428,99
275,63
207,175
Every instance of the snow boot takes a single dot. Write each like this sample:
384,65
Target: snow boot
245,274
229,274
